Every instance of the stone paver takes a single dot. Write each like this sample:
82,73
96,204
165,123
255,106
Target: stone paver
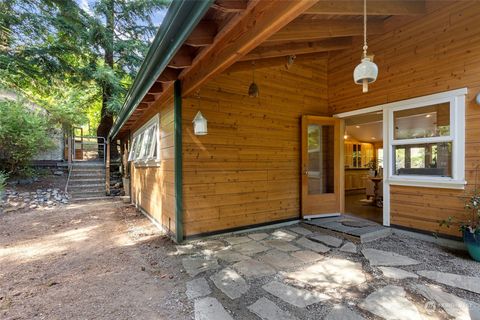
237,240
385,258
306,256
197,288
300,230
251,268
281,245
267,310
280,260
185,249
250,248
284,235
258,236
326,239
210,309
213,245
348,247
340,312
396,273
297,297
456,307
390,302
195,266
330,273
454,280
230,256
230,283
312,245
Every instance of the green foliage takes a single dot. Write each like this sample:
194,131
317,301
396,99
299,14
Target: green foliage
23,134
3,181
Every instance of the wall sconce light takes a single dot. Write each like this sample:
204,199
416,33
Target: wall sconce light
200,125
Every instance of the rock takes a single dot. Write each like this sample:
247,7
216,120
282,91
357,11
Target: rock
230,283
326,239
456,307
396,273
279,260
306,256
212,245
454,280
195,266
58,173
284,235
258,236
237,240
267,310
297,297
281,245
330,273
301,231
390,302
384,258
251,268
185,249
250,248
197,288
33,206
230,256
210,309
349,247
340,312
312,245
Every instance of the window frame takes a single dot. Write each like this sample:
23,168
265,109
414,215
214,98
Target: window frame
149,131
456,100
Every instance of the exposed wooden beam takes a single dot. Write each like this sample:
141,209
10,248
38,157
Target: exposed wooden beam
156,88
142,105
308,30
296,48
374,7
277,61
244,32
182,59
168,75
148,98
203,34
230,5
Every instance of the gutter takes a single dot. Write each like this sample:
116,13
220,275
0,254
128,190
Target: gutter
181,18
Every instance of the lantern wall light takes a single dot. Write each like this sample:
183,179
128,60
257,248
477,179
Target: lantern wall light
200,124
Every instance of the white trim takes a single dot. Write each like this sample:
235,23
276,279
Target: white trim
428,183
147,160
386,170
358,112
154,119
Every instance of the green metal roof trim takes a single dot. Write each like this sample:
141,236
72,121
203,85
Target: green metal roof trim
181,18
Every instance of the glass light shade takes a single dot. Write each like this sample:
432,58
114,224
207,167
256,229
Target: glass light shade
200,124
365,71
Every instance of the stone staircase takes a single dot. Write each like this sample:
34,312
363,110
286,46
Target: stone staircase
87,181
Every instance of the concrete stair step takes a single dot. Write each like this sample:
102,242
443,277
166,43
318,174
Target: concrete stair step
93,199
86,194
88,180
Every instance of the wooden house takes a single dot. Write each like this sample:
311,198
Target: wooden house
303,144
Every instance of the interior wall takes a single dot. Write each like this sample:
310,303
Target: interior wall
153,188
246,170
435,53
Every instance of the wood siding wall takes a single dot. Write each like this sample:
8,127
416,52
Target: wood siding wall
153,188
247,169
435,53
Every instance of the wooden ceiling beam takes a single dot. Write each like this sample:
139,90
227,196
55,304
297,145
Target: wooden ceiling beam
168,75
244,32
296,48
230,5
374,7
149,98
309,30
156,88
202,35
182,59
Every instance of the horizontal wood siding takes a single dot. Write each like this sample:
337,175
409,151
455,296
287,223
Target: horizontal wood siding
153,188
435,53
247,169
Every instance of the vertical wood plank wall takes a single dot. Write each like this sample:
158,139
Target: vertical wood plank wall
247,169
153,188
435,53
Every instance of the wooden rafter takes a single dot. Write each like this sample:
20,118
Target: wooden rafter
230,5
308,30
375,7
182,59
203,34
156,88
276,61
258,22
297,48
168,75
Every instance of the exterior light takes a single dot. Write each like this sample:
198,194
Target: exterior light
367,71
200,124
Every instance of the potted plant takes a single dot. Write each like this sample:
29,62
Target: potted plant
372,165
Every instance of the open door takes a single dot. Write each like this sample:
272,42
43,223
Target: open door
322,167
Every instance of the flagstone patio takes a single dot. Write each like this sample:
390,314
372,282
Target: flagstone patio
300,272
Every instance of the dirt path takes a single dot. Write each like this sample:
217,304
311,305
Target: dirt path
88,261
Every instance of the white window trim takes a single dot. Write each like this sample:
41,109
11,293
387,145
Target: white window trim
150,161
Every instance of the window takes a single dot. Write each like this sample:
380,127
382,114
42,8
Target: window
145,143
380,157
427,140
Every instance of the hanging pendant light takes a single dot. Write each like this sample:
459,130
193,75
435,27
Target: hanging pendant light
367,71
253,88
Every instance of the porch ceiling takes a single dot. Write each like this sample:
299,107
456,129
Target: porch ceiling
247,30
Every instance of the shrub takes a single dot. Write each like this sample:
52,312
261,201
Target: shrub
3,181
23,134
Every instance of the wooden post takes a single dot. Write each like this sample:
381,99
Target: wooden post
107,169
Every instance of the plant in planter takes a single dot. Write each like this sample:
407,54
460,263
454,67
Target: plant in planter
372,165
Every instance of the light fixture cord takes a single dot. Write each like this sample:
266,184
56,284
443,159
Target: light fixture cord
253,72
365,46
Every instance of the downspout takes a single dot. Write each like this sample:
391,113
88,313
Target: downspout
177,121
